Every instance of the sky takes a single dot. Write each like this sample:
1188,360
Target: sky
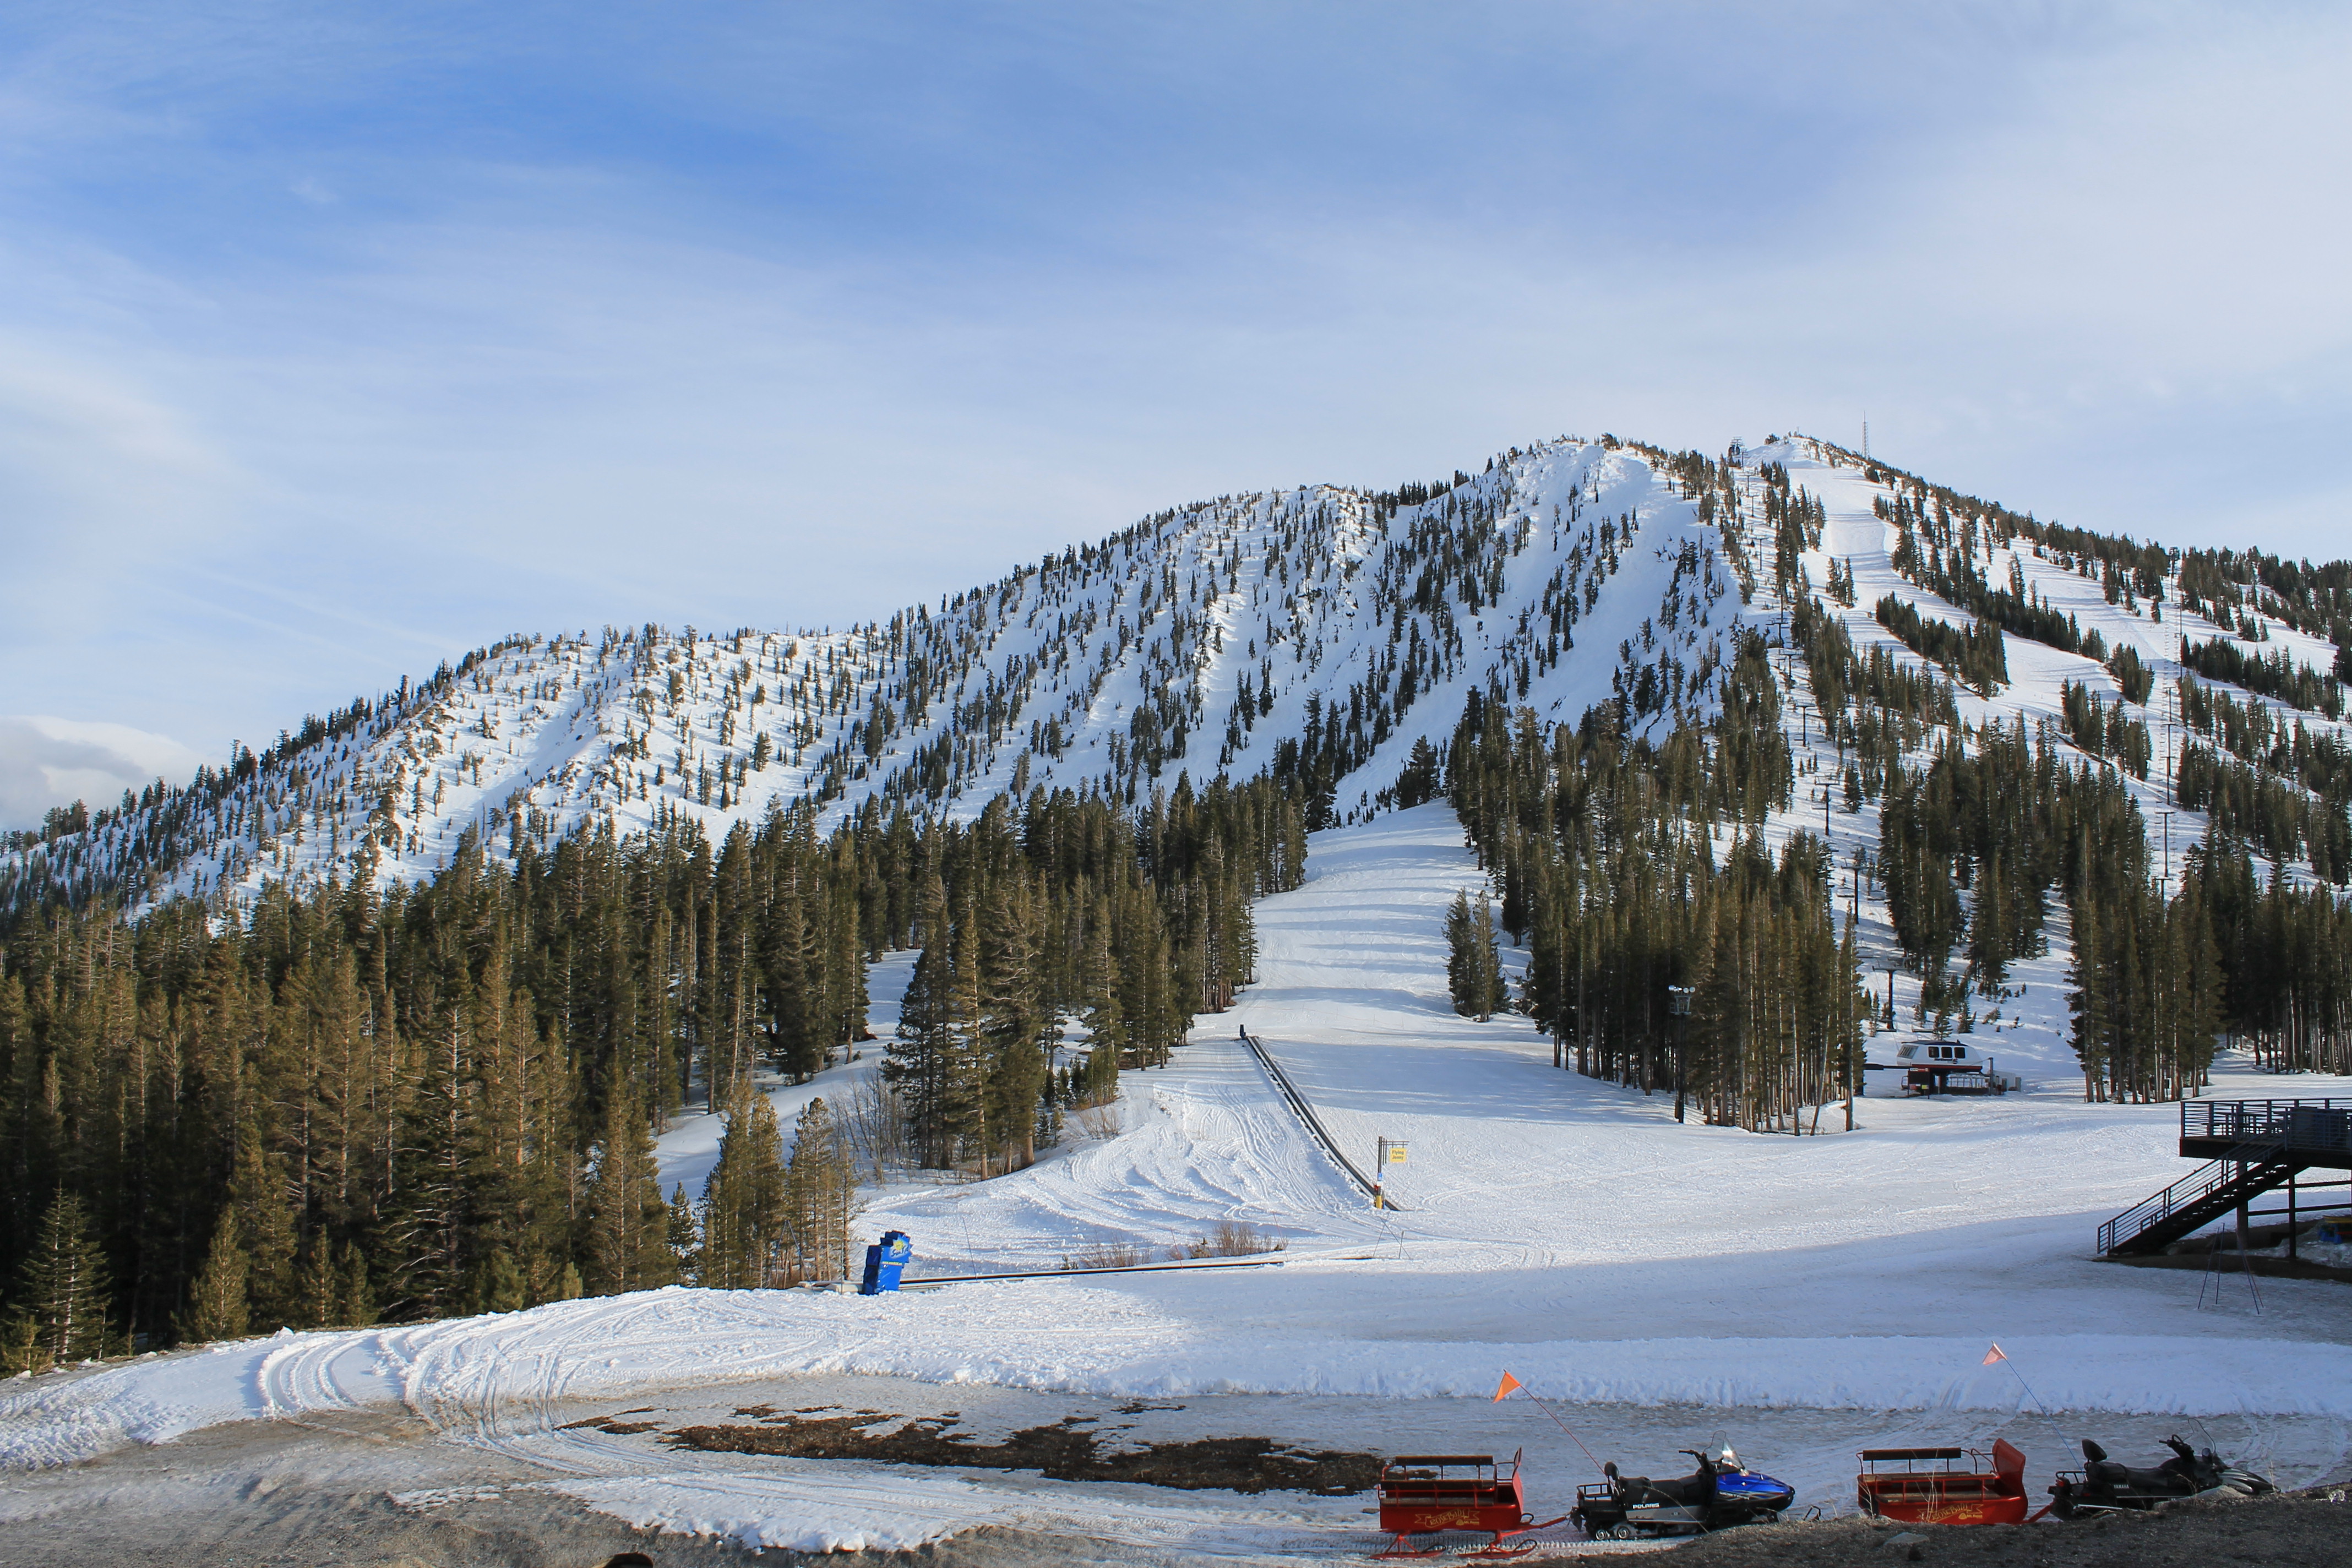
335,344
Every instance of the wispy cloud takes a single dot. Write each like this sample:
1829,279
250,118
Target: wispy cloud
329,343
52,761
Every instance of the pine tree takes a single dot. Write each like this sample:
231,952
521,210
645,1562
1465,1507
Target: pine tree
64,1286
359,1309
1458,960
684,1237
438,1157
1012,1027
1474,969
844,956
263,1223
743,1210
820,1195
796,1028
921,1057
497,1285
2088,997
1419,782
1487,963
385,1088
316,1286
628,1223
966,1106
1105,1020
522,1166
1990,924
1155,1017
218,1304
21,1350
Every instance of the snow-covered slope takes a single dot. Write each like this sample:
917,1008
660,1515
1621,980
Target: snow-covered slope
1807,1296
1197,641
1343,621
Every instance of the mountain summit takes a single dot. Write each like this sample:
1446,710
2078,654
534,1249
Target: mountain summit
1322,634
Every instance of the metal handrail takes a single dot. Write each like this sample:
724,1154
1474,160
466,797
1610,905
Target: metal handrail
2320,1127
2192,1189
2323,1123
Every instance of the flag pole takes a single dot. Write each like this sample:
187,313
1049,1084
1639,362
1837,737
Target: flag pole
1504,1390
1998,1354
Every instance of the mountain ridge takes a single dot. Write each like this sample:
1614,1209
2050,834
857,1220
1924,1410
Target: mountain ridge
1318,632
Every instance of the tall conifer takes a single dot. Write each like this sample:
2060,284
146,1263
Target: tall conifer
820,1195
744,1216
64,1286
628,1223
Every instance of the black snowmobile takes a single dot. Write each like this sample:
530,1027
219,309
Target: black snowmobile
1719,1494
2103,1485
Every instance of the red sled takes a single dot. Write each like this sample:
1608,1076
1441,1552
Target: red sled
1424,1494
1925,1485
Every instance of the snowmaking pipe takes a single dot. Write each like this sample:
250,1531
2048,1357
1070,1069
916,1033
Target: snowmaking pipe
1314,1125
1270,1261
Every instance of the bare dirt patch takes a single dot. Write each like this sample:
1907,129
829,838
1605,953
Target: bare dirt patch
278,1494
1062,1451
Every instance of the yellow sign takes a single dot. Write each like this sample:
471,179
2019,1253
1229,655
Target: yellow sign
1396,1154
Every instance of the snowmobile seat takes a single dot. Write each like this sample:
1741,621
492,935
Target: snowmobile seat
2102,1471
1682,1491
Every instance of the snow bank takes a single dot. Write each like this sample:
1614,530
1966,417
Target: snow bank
479,1378
815,1507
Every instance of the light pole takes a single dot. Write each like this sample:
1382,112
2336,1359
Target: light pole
1678,1006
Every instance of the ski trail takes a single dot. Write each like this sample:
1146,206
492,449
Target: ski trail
1207,1141
311,1373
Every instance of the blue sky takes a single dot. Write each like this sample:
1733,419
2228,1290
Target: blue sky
334,345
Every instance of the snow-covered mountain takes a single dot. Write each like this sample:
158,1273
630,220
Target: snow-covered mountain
1320,631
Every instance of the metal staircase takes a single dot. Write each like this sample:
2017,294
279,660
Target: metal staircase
2261,1143
2190,1204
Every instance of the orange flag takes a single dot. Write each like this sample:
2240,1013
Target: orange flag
1992,1355
1503,1390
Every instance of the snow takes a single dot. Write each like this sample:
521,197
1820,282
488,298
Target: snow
1842,1286
1561,1228
1281,588
810,1506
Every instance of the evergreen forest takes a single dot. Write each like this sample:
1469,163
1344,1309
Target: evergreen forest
382,1020
403,1102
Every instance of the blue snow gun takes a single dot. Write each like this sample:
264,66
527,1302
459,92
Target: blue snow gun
885,1261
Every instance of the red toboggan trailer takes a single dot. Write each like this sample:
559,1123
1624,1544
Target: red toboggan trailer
1423,1494
1927,1485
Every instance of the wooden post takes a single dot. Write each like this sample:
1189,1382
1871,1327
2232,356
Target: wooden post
2290,1216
